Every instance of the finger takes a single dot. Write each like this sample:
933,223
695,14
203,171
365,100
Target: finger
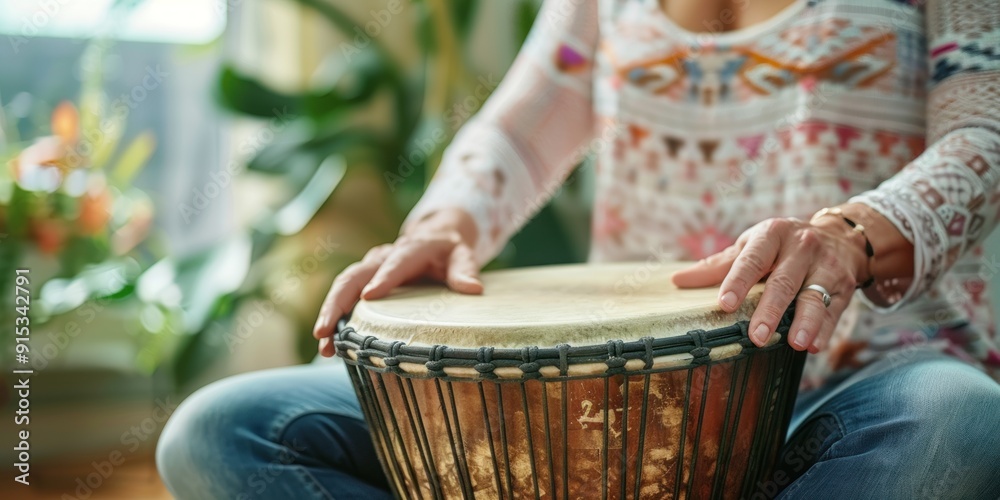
779,292
837,307
813,320
463,272
346,290
708,271
326,347
405,262
753,263
437,271
342,296
810,316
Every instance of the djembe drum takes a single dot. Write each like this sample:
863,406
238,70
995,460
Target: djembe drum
579,381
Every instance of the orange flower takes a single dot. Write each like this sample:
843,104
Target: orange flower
37,167
136,229
49,235
95,211
66,122
43,165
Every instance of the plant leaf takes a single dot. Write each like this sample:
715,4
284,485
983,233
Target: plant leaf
464,14
19,211
245,94
294,216
201,349
109,137
391,70
407,176
352,83
107,279
527,10
315,145
196,283
131,161
543,241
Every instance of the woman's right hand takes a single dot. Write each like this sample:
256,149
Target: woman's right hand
438,247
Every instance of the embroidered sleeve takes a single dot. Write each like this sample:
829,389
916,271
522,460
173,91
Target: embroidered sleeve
946,201
507,160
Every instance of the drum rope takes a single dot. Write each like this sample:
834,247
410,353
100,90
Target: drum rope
531,362
412,454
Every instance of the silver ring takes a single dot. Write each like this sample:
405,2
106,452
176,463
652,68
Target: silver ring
826,295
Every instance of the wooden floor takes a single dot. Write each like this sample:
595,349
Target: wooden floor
136,479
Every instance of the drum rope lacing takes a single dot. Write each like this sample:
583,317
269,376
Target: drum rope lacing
529,361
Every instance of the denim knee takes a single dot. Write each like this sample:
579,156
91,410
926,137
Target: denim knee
335,440
254,435
214,437
954,410
190,443
948,415
923,426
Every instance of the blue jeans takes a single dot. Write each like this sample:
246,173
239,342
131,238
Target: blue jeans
921,425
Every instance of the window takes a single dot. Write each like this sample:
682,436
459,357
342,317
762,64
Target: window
169,21
42,43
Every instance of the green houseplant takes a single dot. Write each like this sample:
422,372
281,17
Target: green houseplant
425,106
340,127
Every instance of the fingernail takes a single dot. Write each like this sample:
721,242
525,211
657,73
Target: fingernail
761,333
323,342
800,339
729,300
368,288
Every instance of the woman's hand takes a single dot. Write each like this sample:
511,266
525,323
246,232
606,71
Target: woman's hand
793,254
438,247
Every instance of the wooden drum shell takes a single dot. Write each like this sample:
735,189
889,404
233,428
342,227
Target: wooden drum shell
634,389
707,431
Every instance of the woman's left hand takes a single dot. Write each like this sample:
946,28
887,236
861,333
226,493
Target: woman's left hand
792,254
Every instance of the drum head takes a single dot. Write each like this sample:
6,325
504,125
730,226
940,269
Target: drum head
580,304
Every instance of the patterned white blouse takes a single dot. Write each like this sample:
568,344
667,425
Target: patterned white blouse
698,136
